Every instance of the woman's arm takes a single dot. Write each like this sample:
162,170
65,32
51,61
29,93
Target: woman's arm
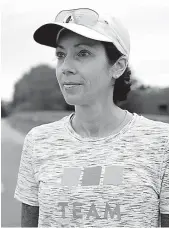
164,220
29,216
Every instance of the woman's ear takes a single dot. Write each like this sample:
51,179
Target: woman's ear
119,67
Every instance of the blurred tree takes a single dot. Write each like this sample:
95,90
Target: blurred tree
38,90
3,110
6,108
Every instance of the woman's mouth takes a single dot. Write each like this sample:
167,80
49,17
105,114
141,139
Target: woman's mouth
67,86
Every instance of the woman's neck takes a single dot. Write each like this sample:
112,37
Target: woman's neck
99,125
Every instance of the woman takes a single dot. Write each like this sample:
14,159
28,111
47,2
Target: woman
101,166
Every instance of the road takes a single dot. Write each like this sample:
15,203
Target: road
11,148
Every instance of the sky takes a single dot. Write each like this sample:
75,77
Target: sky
146,20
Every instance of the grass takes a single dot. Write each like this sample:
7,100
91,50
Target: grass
25,121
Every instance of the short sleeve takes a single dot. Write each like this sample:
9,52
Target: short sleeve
27,188
164,193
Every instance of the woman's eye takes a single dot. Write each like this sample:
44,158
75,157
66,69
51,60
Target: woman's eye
84,53
60,55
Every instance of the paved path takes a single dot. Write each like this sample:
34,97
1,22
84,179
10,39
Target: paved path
11,148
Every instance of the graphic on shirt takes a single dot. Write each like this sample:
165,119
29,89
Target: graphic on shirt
113,175
91,176
92,211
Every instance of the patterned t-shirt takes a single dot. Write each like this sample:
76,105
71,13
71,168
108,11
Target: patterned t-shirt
117,181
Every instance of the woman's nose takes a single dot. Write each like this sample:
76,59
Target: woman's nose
68,67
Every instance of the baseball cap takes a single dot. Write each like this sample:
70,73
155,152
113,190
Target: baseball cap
88,23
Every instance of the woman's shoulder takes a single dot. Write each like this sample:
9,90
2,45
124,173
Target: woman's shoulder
47,129
152,126
153,121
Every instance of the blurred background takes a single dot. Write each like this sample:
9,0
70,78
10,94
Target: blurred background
30,94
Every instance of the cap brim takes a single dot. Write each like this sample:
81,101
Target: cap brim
46,34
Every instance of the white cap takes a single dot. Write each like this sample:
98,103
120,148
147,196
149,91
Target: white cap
107,28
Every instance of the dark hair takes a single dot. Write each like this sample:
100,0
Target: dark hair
123,83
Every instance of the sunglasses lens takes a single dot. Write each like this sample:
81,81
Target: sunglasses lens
86,16
62,16
79,16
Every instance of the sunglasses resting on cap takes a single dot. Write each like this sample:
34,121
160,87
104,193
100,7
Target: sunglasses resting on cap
88,23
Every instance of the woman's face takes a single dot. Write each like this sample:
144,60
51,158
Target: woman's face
83,61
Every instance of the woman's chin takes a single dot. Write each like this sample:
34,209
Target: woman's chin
73,100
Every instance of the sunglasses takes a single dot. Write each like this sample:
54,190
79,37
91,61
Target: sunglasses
86,17
81,16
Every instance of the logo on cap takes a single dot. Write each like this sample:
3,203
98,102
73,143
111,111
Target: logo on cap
68,19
